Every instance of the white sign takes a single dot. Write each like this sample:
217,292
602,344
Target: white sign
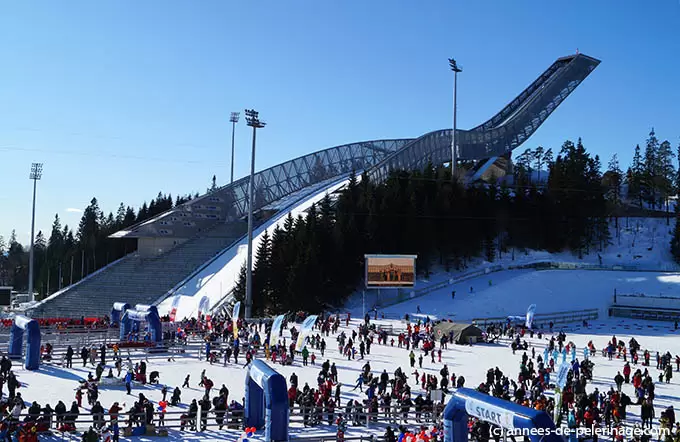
436,395
490,413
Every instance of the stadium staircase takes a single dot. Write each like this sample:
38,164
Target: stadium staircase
140,280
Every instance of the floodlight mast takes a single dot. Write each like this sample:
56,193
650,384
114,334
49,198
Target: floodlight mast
35,175
252,120
454,154
233,119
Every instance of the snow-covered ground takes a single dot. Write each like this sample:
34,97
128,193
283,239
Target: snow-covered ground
510,293
638,243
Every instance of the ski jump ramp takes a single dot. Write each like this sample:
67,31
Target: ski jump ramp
499,135
292,185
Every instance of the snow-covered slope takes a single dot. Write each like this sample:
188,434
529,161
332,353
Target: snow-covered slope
639,244
219,277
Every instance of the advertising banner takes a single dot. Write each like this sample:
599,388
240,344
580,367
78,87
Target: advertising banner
562,374
530,315
234,318
173,309
490,413
305,329
275,334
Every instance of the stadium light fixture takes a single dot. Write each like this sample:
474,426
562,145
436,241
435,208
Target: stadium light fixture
35,175
233,119
252,120
454,157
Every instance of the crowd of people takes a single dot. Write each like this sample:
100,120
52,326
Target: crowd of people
409,400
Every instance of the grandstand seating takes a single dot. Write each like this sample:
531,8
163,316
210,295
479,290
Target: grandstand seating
140,280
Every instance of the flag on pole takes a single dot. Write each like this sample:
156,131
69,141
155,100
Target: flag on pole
530,315
275,333
307,326
234,318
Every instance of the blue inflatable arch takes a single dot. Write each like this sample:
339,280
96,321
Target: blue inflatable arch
466,403
16,341
146,308
135,317
117,311
266,401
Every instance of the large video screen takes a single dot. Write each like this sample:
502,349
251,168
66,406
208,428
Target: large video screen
390,271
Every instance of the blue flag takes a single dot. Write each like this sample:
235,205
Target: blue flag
562,375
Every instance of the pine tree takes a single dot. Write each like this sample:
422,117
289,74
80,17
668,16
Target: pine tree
56,240
523,168
548,157
143,213
40,243
120,216
676,181
489,249
240,286
262,277
17,262
652,171
539,159
636,176
613,179
666,178
90,228
130,217
675,240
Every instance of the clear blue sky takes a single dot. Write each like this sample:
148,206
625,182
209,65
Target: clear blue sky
121,99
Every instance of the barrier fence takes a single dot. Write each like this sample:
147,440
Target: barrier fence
543,320
230,420
230,423
392,415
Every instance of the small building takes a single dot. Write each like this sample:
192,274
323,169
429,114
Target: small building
462,333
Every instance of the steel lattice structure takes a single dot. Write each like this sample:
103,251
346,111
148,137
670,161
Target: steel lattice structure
505,131
230,203
502,133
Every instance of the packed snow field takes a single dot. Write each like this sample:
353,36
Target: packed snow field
53,383
641,243
509,293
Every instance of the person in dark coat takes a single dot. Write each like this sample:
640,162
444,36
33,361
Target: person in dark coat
84,353
193,410
97,412
72,414
69,357
12,385
5,366
33,412
60,412
176,397
47,415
